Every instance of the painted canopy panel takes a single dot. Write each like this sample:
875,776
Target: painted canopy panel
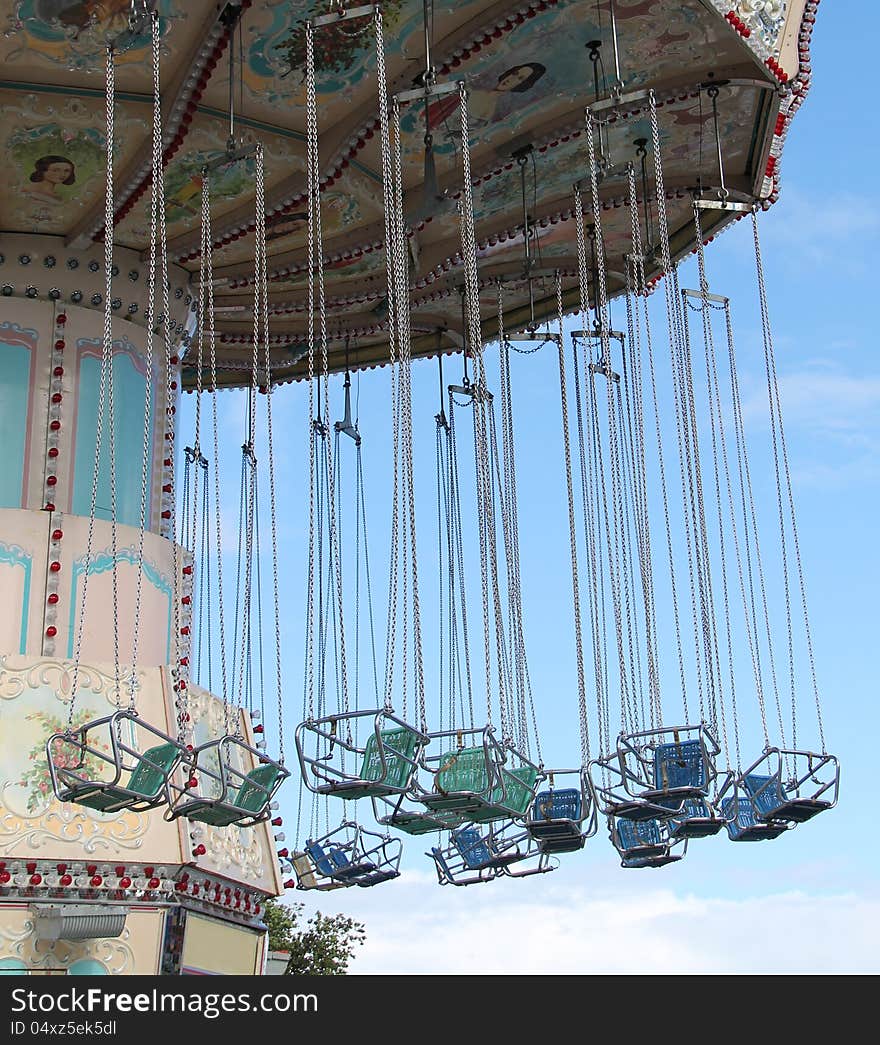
529,78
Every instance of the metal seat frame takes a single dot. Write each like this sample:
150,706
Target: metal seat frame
71,786
364,858
649,854
703,824
799,784
389,811
229,781
322,777
491,802
563,834
630,789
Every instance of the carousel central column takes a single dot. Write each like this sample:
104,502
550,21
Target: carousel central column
83,891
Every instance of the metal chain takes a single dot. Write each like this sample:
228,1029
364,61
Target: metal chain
716,422
457,551
486,520
180,688
626,696
317,264
263,282
526,697
148,384
106,360
391,219
586,476
212,358
401,264
777,429
583,720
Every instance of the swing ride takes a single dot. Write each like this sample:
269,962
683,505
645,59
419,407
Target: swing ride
361,186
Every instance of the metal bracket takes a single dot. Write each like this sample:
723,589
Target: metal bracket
596,335
345,425
343,15
620,101
605,370
743,208
472,391
434,91
704,296
137,27
541,336
232,155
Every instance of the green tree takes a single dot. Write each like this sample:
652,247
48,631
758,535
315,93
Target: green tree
322,947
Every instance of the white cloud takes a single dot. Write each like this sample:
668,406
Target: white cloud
503,928
806,235
834,414
593,917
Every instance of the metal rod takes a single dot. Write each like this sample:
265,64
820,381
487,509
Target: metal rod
428,71
618,81
522,160
231,143
713,94
466,337
440,418
594,46
591,233
641,145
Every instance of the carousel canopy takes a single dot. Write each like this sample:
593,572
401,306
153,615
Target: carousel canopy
530,67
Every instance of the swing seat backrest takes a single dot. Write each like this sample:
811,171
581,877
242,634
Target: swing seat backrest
635,833
557,805
440,861
256,789
399,747
151,772
766,792
518,789
473,848
680,764
327,861
740,812
463,770
692,809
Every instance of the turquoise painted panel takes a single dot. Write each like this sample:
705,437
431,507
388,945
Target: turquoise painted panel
100,564
87,967
15,556
15,381
129,389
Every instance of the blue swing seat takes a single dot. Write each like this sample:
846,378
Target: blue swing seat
743,825
695,819
771,801
640,839
555,821
334,862
478,853
447,876
680,766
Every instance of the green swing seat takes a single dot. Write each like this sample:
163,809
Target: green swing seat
461,783
249,804
400,748
513,798
143,789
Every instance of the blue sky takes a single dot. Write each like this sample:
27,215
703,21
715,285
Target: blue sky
806,902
